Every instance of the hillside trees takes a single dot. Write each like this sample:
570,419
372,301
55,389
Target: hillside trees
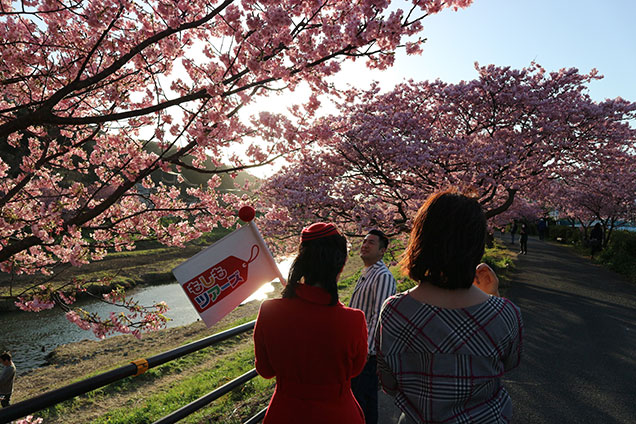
86,86
503,135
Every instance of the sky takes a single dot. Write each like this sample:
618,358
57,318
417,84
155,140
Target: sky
556,34
584,34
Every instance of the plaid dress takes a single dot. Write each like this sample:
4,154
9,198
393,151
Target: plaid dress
448,363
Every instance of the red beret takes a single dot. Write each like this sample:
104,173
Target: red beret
318,230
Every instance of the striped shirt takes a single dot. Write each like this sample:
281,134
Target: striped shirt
374,286
448,363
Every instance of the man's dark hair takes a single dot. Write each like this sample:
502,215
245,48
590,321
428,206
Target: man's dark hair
384,240
447,241
6,356
318,262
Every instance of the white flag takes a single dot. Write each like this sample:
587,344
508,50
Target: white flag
220,277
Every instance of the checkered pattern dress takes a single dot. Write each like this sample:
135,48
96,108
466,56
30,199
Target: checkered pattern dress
448,363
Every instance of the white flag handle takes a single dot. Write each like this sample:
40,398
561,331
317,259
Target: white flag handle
270,258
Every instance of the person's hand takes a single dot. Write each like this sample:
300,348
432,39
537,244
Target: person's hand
486,279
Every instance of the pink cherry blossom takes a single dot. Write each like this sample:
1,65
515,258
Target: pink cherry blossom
103,102
601,192
36,304
30,419
507,137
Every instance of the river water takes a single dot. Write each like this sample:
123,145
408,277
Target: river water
31,336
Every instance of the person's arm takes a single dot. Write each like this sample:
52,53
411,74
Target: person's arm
261,358
6,374
361,348
513,358
384,288
387,379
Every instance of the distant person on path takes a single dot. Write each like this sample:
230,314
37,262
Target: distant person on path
542,228
444,345
375,285
513,231
310,341
523,239
6,379
596,239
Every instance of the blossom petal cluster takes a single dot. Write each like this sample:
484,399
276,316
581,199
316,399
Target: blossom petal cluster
30,419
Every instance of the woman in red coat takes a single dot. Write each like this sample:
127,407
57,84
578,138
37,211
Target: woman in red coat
310,341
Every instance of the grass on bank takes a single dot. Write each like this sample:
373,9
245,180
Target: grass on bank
162,389
187,390
127,270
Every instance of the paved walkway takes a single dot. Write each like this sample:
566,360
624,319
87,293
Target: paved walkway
579,363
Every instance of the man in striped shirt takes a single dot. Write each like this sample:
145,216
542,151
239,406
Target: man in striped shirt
374,286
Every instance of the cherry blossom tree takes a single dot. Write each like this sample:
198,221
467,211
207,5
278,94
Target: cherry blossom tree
523,209
502,136
602,191
87,86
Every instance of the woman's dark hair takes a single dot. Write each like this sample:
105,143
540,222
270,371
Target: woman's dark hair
318,263
447,241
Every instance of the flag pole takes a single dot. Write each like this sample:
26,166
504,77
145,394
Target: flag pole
270,258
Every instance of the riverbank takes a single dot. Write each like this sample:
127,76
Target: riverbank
127,269
76,361
151,263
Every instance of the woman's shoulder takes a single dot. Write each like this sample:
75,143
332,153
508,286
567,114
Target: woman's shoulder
268,303
394,303
505,304
396,299
507,311
349,320
350,312
272,304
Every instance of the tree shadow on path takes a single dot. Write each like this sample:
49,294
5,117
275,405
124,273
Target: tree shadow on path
579,363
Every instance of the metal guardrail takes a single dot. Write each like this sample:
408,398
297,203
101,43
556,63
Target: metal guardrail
204,400
137,367
257,418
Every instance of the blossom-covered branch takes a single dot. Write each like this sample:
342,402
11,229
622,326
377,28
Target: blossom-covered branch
98,98
503,137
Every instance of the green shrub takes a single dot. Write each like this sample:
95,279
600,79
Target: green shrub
620,254
565,234
404,283
498,258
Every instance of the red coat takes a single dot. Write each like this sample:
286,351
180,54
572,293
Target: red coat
313,350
